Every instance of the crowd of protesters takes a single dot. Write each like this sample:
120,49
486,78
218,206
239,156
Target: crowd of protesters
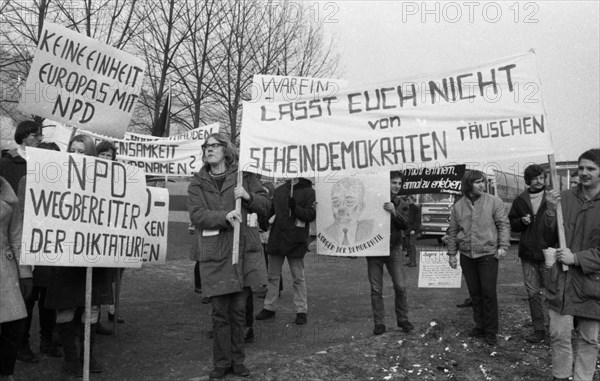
563,286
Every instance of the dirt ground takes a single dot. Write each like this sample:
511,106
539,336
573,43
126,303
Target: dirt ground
164,335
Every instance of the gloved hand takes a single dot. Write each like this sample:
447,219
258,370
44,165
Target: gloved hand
26,285
292,203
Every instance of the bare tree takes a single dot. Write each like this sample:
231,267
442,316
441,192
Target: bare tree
163,34
191,67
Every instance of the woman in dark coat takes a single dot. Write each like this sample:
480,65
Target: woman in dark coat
212,196
66,293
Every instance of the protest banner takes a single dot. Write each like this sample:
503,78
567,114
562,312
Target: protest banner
200,133
351,220
156,226
438,179
435,272
161,158
82,211
451,118
82,82
283,88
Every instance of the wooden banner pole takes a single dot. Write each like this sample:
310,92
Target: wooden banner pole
88,312
236,227
562,241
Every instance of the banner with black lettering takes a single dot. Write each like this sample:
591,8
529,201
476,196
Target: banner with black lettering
82,211
156,225
447,179
486,112
82,82
163,157
284,88
200,133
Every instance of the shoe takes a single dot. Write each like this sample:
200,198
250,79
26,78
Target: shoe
102,330
218,373
410,264
536,337
48,348
406,326
476,332
111,317
467,303
249,336
206,300
198,290
240,370
265,314
71,364
490,339
300,318
379,329
25,354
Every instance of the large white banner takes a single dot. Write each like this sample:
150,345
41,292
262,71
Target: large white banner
200,133
351,220
487,112
163,157
82,82
81,211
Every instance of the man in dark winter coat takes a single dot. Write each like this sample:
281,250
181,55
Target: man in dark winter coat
526,217
288,239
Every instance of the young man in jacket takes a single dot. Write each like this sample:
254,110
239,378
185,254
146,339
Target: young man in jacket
398,210
527,217
480,231
574,294
288,239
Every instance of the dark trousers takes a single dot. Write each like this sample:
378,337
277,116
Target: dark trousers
11,333
249,307
228,315
47,315
393,263
197,280
481,275
264,245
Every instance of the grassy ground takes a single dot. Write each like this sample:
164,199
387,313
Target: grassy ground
164,336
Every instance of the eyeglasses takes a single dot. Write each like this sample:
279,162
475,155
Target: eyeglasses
212,146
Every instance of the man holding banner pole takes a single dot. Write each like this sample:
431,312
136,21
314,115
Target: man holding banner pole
574,295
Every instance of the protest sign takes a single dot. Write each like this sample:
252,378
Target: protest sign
283,88
82,211
156,225
432,180
435,271
200,133
161,158
451,118
351,220
82,82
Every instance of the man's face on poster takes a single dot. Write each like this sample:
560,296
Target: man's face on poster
347,204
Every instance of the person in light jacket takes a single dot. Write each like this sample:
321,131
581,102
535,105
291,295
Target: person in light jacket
212,197
480,231
16,281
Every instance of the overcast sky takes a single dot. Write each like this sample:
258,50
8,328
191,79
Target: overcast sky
381,40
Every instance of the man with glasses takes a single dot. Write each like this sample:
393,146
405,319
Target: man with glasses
526,217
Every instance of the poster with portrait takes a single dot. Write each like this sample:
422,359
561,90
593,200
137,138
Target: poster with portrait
351,221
